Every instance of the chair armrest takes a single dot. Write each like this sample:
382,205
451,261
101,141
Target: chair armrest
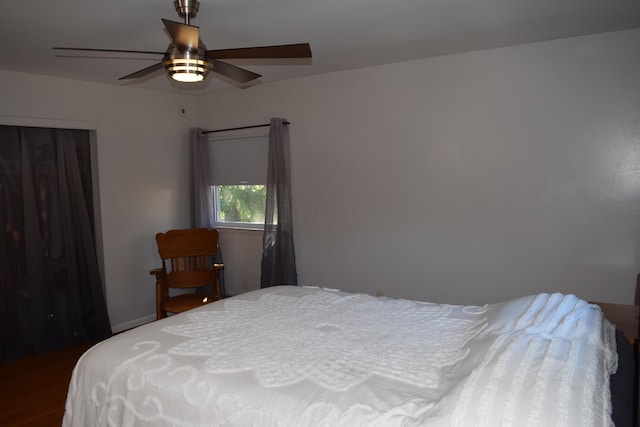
156,272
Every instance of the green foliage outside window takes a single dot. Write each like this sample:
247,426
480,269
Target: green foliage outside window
242,203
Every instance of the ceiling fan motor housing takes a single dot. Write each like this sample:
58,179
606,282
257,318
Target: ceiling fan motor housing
188,9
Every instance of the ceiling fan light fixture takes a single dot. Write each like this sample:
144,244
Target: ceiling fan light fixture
187,66
187,70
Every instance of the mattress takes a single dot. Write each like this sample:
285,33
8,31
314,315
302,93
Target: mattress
304,356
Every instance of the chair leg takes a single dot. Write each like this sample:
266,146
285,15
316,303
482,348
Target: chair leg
218,287
160,293
160,313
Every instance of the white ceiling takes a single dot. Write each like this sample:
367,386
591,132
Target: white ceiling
343,34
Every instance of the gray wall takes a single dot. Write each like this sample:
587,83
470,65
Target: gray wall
469,178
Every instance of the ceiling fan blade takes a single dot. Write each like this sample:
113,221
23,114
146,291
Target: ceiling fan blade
184,36
143,72
235,73
300,50
107,50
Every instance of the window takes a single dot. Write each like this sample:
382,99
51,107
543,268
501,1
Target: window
240,205
239,176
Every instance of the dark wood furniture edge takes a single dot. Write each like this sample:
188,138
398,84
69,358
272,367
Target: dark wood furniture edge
626,318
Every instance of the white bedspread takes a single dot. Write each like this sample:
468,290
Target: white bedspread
295,356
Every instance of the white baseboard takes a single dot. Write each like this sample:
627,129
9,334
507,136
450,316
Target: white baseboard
132,323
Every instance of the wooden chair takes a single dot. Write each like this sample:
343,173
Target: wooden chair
187,263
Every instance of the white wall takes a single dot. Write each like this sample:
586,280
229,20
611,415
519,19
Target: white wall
143,171
242,253
469,178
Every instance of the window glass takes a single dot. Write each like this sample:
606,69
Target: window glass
240,206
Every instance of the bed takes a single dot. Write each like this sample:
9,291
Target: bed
305,356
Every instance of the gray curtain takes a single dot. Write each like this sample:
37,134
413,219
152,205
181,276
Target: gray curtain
201,196
50,286
278,256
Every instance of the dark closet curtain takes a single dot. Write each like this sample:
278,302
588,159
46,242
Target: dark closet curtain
278,254
50,288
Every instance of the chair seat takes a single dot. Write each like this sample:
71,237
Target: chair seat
180,303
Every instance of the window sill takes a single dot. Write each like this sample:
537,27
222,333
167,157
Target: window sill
237,229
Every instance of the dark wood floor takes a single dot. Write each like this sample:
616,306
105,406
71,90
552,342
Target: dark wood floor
33,389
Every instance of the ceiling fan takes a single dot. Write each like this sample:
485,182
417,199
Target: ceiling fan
188,60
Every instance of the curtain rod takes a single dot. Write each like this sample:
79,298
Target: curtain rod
241,127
